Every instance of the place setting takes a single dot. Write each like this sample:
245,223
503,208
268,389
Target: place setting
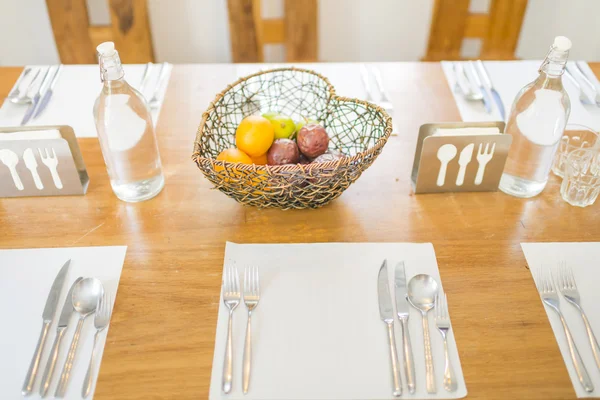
60,319
565,275
485,90
65,94
380,332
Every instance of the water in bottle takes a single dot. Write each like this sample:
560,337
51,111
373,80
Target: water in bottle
126,133
537,122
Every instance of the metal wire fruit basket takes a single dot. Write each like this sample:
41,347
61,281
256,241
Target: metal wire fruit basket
356,128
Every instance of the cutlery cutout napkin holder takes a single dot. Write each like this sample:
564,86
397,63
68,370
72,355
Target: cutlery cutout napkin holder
471,162
41,161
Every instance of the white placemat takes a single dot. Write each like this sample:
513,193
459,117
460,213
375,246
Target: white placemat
26,276
508,77
583,260
317,333
75,92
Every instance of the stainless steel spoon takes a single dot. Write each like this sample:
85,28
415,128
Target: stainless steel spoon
464,84
85,300
422,290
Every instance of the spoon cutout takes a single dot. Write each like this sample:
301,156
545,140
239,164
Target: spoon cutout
85,300
422,290
10,159
445,154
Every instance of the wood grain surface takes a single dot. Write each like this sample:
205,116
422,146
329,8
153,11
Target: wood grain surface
160,344
70,25
244,31
452,21
131,30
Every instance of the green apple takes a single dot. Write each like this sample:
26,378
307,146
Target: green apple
283,126
269,115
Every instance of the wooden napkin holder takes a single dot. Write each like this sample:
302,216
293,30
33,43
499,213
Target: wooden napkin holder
427,167
31,176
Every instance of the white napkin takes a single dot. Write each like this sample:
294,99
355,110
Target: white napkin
31,135
465,131
582,258
76,90
317,333
26,276
508,77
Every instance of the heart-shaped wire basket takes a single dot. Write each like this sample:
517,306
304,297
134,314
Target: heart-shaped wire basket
356,128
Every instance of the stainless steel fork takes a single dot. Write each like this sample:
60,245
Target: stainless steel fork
231,298
568,287
101,320
385,101
364,75
442,321
583,98
550,298
251,298
162,77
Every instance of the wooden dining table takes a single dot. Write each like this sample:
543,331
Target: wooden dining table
162,332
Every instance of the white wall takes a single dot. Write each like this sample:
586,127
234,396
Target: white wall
195,31
190,31
26,33
575,19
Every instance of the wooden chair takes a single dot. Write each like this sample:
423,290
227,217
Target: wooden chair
297,30
452,22
76,39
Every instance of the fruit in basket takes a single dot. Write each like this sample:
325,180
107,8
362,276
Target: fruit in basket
283,151
260,160
233,155
254,135
312,140
303,159
270,114
283,126
326,157
305,121
336,153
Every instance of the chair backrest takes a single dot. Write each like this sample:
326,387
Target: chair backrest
76,39
498,30
249,32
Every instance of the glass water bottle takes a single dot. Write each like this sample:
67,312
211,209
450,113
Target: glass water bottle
537,122
126,133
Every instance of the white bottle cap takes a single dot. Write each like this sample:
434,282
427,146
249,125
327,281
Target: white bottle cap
108,49
562,43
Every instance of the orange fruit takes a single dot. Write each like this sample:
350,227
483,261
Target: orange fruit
254,135
233,155
260,160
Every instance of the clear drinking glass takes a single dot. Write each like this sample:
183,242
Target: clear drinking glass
581,183
575,137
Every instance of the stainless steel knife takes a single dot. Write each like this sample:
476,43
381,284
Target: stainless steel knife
401,294
48,94
386,311
63,323
47,316
493,91
36,98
